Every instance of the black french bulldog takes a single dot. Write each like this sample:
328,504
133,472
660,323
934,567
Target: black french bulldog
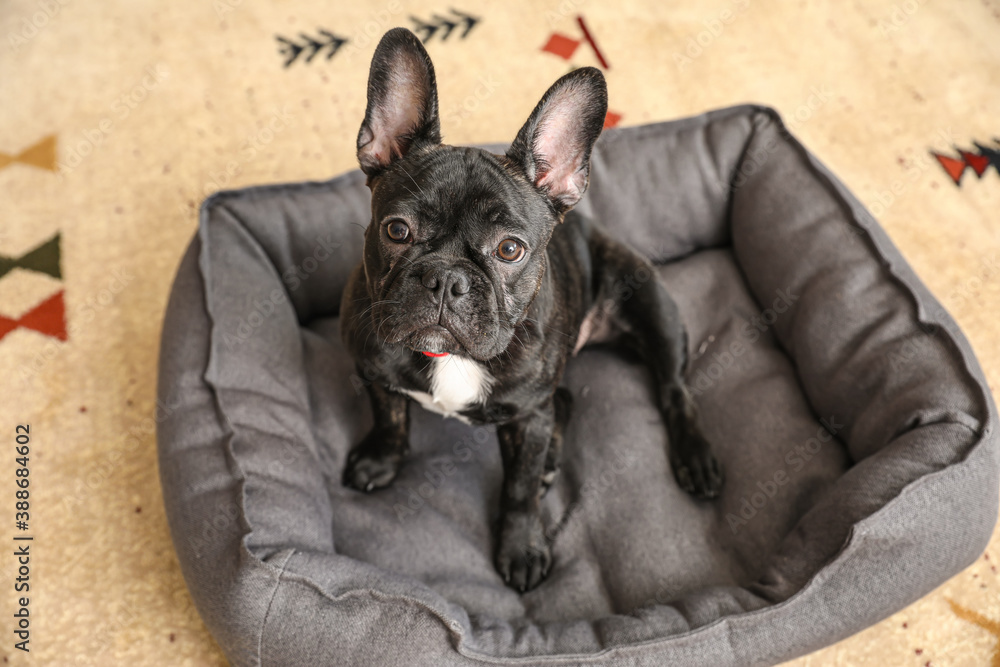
477,283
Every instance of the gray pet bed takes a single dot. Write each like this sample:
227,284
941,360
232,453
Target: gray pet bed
851,416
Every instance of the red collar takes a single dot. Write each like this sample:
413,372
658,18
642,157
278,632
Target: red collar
435,354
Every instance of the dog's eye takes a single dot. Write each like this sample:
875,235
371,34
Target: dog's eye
397,231
510,250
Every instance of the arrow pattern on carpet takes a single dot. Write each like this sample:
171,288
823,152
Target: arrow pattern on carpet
444,26
978,162
41,155
43,259
309,46
48,317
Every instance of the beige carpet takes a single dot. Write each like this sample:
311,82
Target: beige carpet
148,106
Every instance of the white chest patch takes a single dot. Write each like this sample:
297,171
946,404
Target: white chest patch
457,383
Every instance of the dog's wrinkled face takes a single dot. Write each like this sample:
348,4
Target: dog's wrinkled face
455,251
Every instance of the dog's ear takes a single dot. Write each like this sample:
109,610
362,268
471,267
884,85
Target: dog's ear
553,148
402,111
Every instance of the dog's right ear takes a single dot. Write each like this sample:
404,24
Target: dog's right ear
402,111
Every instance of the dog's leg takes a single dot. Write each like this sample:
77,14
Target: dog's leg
374,462
563,404
523,557
653,325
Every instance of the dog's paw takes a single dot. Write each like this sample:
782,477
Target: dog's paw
373,464
696,470
523,557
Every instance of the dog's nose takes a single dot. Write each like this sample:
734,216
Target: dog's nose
457,283
445,282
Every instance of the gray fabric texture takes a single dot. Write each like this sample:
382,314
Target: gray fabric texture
851,416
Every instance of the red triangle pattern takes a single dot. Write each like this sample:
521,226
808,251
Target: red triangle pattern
48,317
953,167
979,163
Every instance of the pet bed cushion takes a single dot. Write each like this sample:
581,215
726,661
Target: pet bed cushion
849,411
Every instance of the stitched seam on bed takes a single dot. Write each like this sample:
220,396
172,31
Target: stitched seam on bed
270,603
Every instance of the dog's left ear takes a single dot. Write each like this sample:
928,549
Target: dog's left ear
402,111
553,148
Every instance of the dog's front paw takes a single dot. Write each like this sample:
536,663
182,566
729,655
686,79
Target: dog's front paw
523,557
696,470
373,463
